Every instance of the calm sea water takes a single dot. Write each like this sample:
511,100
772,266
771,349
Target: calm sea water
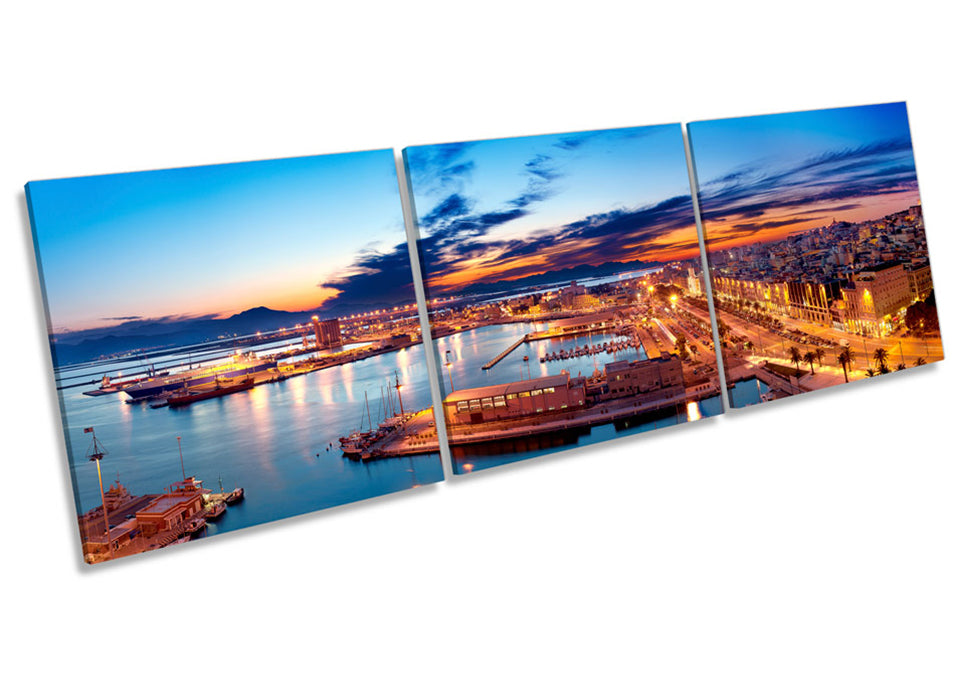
264,440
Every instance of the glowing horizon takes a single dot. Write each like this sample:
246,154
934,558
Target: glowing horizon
764,178
498,210
208,242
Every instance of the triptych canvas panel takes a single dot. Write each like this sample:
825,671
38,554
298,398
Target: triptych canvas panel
556,269
222,335
236,344
816,245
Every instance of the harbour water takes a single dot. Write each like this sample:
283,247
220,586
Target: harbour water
470,350
264,440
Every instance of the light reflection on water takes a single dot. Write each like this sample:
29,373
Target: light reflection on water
264,439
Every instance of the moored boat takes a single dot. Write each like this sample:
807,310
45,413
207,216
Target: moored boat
237,366
215,511
187,397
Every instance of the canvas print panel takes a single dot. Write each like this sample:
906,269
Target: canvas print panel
563,288
817,248
232,344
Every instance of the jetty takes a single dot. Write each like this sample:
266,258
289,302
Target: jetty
649,343
493,362
407,435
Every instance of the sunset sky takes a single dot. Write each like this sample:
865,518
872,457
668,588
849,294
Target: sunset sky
765,177
508,208
287,234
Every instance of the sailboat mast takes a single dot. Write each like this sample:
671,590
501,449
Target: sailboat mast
183,465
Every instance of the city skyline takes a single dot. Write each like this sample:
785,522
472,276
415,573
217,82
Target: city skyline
198,242
819,262
763,178
497,210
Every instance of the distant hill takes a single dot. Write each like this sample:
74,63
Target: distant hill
152,334
583,271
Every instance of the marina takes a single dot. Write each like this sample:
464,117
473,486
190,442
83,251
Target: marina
266,436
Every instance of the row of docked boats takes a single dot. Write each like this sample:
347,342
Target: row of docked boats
608,347
360,445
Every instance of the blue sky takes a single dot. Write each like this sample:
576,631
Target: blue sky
288,234
764,177
507,208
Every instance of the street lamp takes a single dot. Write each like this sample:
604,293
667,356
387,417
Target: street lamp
447,365
97,456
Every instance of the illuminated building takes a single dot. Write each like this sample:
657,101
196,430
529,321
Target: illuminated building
327,333
514,400
693,283
653,379
874,296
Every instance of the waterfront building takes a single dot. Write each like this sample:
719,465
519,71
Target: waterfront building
134,516
396,340
514,400
327,333
591,323
170,511
874,296
651,379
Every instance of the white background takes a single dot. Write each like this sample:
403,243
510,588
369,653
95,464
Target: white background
808,538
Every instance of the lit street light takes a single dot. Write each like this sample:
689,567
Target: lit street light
447,364
97,456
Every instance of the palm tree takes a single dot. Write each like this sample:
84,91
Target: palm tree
880,356
809,357
920,361
795,356
680,345
846,357
820,355
870,372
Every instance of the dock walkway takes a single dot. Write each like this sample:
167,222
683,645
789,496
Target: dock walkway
649,343
416,436
503,354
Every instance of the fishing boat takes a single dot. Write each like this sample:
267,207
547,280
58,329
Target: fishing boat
215,511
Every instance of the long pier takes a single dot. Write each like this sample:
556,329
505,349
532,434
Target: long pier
493,362
649,343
